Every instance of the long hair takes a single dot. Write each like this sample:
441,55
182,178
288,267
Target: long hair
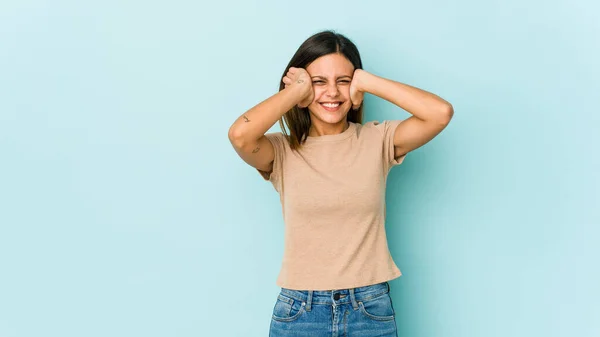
320,44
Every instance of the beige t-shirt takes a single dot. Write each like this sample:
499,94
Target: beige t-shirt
332,195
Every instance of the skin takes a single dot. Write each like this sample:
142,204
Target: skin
333,79
430,113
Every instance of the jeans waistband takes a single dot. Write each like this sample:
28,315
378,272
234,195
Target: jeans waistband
337,296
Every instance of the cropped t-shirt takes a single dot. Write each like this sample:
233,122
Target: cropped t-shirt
332,194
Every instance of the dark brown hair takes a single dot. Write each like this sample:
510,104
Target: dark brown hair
320,44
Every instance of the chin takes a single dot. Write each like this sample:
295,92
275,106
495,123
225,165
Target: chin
333,119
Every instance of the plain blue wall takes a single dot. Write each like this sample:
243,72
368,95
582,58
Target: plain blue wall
124,210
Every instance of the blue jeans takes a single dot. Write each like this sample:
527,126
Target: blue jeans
363,311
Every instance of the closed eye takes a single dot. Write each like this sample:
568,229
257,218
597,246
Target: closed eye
342,81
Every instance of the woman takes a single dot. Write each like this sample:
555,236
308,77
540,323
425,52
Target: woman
330,172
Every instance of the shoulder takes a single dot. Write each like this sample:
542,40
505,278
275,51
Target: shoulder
278,136
279,140
382,128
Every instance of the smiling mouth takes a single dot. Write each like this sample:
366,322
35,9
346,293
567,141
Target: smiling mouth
331,107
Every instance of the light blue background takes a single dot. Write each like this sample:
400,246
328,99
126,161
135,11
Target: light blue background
124,210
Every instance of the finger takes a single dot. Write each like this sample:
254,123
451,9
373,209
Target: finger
287,80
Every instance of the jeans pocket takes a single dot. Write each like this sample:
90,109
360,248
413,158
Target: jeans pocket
287,309
379,308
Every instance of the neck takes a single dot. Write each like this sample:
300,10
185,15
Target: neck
324,129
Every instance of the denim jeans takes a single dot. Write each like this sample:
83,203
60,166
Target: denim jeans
363,311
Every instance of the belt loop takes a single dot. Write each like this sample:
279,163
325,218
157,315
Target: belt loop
309,300
353,299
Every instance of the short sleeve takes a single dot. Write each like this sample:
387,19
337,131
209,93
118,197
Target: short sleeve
275,176
388,129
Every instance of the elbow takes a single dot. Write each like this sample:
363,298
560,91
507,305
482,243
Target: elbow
235,136
447,113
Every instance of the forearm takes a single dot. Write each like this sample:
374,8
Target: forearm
420,103
254,123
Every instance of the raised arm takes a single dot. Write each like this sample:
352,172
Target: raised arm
247,133
431,113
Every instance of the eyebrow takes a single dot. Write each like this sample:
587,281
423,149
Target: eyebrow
323,77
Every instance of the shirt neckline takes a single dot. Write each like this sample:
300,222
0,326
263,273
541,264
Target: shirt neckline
330,138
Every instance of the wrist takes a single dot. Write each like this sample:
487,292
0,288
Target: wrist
296,92
363,80
298,84
302,89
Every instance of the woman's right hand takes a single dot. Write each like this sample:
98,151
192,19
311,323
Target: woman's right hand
300,77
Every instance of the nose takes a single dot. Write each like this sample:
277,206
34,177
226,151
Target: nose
332,90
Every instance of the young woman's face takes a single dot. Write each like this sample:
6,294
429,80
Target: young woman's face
331,77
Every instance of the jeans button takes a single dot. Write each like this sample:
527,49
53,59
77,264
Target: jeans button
336,296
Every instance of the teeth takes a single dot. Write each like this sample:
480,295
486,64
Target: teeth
331,105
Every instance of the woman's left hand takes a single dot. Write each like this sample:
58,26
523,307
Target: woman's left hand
356,92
